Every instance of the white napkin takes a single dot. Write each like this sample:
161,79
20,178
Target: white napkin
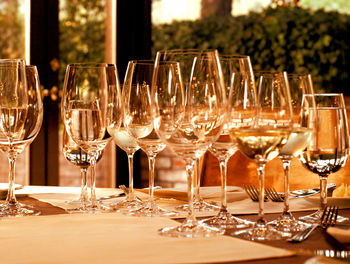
115,238
341,234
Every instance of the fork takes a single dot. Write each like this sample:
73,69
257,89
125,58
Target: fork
332,219
253,192
273,195
328,218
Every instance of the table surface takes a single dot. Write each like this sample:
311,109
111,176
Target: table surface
315,241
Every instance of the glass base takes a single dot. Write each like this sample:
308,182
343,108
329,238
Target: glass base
224,220
150,209
260,231
288,225
199,206
126,205
98,207
190,229
316,217
17,209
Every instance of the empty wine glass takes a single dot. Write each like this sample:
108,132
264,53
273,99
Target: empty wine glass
189,118
91,102
185,58
21,115
303,129
260,129
78,157
140,125
127,143
239,82
327,151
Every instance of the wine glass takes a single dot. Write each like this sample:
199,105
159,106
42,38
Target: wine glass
260,130
185,58
239,82
127,143
327,151
21,115
140,125
78,157
189,118
302,131
91,102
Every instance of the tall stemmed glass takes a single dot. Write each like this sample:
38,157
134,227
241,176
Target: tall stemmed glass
79,158
239,82
140,125
91,102
189,118
21,114
303,129
327,152
260,133
185,58
127,143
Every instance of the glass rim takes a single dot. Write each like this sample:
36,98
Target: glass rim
89,65
238,56
142,62
187,51
329,94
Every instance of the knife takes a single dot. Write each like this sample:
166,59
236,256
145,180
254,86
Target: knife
308,192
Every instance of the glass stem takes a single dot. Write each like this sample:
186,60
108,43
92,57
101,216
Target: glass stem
223,173
11,198
323,191
84,191
286,169
261,176
130,196
197,181
93,180
151,165
190,186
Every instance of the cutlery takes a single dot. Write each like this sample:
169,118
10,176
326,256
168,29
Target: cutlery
341,254
308,192
328,218
253,192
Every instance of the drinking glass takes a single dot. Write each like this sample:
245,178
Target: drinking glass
78,157
302,132
127,143
238,74
91,102
327,151
185,58
21,115
140,125
260,129
189,118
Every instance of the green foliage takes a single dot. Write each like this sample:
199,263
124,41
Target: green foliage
295,40
82,32
11,30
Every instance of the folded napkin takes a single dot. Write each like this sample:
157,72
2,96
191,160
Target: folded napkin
341,234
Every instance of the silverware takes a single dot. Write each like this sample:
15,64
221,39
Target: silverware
273,195
308,192
341,254
328,218
253,192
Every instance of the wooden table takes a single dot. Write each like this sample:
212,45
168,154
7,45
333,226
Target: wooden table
315,241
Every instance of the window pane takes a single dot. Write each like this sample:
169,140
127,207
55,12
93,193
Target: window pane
12,45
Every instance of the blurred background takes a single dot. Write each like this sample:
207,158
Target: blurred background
297,36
